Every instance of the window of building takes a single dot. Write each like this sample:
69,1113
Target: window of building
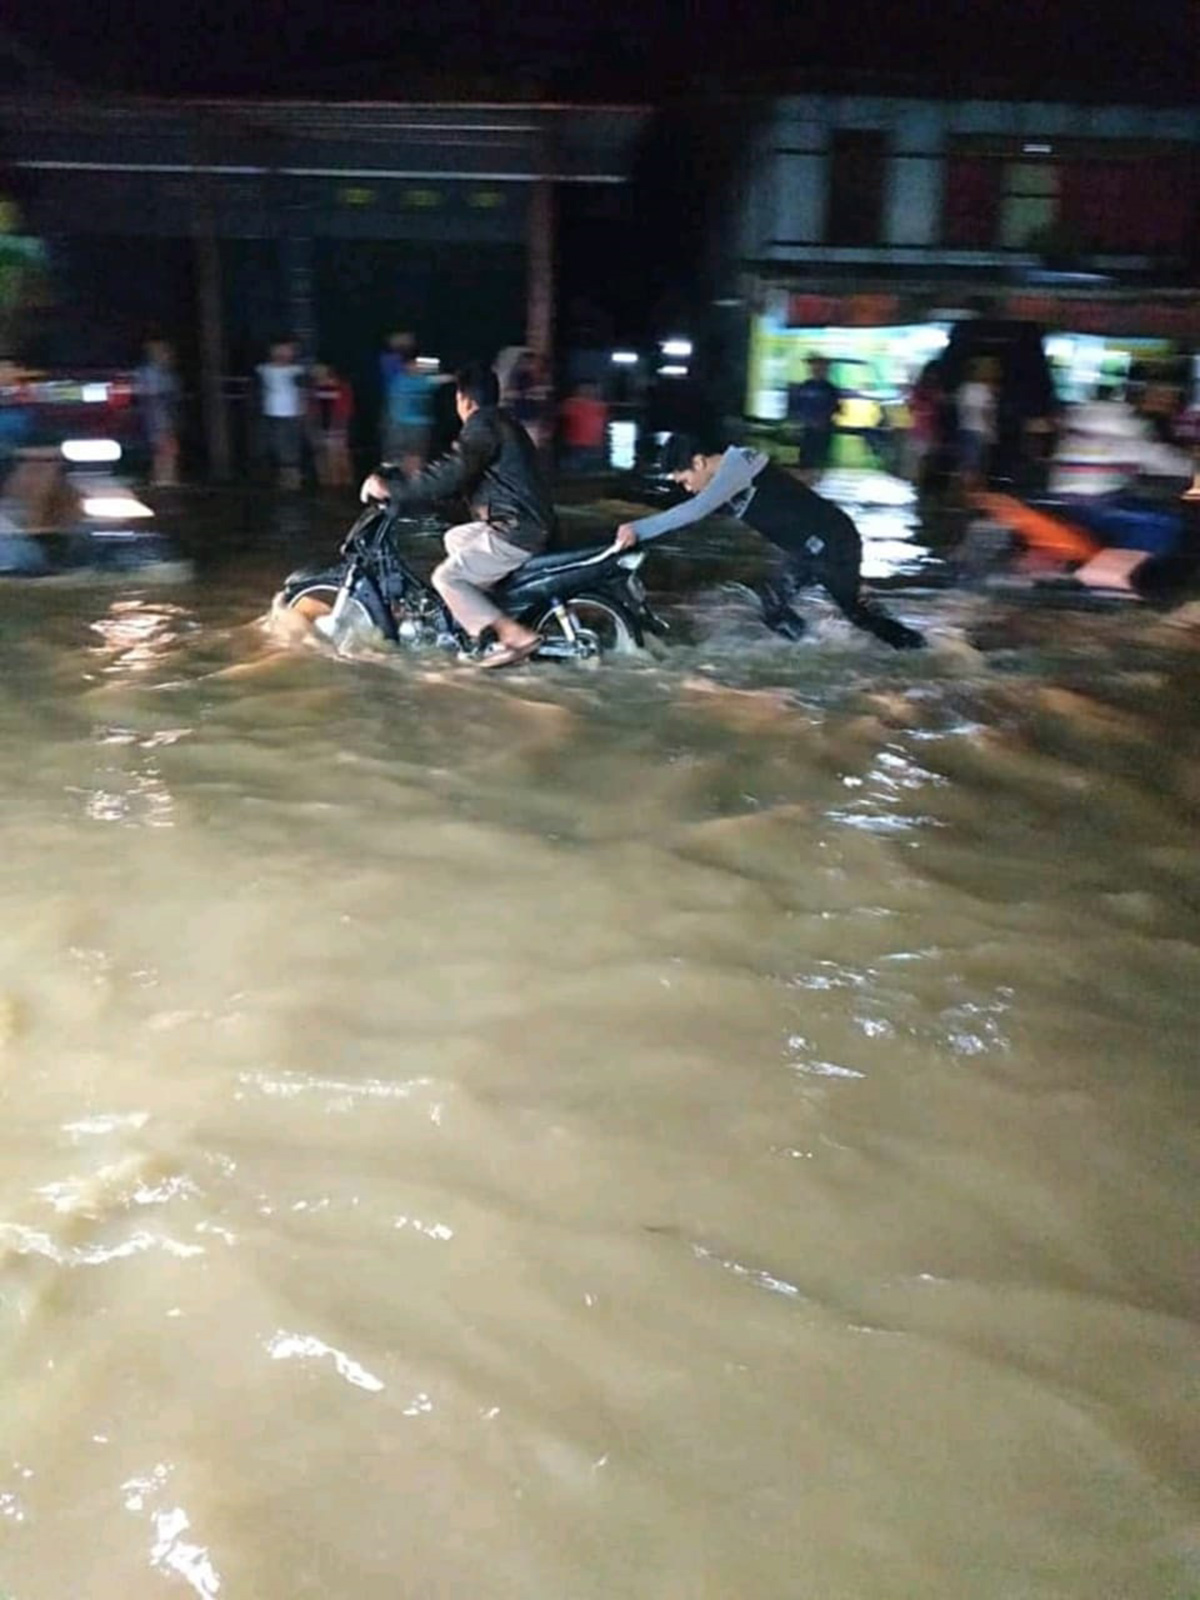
856,184
1029,209
1134,205
973,198
1084,196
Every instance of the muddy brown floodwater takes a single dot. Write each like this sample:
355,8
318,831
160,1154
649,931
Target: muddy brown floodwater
722,1126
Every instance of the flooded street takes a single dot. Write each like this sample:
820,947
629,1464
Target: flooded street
723,1125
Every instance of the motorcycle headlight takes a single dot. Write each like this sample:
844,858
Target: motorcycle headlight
632,560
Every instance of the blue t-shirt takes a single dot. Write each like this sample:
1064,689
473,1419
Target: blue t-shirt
410,399
813,403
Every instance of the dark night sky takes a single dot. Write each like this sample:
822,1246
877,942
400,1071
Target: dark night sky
629,49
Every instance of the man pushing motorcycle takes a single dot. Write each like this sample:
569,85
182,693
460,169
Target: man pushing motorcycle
493,465
821,543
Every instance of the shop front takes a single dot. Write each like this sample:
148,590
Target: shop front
876,344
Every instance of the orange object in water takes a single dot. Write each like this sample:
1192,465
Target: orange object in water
1044,532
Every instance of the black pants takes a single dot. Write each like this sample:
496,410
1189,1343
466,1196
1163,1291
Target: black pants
835,566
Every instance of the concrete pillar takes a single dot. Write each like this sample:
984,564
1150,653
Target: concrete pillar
915,176
212,327
540,279
297,253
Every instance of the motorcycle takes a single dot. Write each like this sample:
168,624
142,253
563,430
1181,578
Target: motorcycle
585,603
64,510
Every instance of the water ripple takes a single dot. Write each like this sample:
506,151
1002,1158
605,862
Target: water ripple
284,1346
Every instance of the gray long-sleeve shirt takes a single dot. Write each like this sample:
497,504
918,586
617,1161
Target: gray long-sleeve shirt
732,486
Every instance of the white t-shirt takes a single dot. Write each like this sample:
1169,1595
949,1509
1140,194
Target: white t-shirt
281,390
977,409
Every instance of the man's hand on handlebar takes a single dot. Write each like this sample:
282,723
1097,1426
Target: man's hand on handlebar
374,488
625,538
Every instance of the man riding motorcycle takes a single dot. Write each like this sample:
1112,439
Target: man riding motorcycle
493,464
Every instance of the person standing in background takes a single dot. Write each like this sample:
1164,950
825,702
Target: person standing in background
926,407
393,356
976,425
15,418
157,385
813,404
584,429
409,412
527,394
330,408
393,359
282,383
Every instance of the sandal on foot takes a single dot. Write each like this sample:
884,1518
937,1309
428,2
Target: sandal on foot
507,655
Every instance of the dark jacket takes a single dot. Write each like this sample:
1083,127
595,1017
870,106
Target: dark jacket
493,465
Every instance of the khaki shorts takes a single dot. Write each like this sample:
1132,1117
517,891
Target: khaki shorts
477,557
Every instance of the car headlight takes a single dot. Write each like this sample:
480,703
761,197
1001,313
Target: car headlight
88,452
117,507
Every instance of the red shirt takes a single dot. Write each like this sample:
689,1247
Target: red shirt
584,420
332,404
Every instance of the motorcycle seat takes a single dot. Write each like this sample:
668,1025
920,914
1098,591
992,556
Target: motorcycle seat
559,560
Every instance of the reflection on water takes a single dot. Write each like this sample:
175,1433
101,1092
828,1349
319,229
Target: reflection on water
884,510
136,635
719,1126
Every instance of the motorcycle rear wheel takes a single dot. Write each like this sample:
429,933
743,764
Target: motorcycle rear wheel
604,627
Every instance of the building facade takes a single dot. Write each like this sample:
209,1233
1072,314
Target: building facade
894,212
858,182
228,224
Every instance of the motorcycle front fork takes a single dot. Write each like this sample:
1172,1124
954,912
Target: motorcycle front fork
345,590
